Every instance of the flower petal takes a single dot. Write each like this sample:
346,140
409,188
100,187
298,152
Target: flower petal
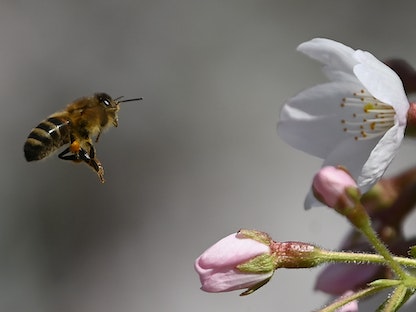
380,157
230,251
337,57
311,120
232,280
382,82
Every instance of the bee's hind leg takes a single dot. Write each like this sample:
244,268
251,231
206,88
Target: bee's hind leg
88,158
76,152
73,157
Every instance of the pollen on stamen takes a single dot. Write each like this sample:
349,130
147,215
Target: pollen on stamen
367,117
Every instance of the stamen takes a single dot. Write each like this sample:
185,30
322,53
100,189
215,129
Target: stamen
367,117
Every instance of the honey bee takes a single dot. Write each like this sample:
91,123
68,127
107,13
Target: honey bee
81,121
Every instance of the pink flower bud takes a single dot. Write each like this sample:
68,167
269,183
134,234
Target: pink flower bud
218,266
329,186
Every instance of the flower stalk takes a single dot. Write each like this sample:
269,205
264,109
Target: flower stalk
379,246
327,256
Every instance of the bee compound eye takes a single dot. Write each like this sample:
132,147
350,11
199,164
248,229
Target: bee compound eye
104,99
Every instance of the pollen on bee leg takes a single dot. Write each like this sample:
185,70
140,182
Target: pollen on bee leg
75,147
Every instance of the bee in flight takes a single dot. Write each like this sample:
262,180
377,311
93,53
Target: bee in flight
81,121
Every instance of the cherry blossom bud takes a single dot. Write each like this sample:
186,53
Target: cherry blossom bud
248,259
330,186
235,262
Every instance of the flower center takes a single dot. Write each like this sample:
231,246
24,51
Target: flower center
369,117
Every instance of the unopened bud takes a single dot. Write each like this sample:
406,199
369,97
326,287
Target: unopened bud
235,262
248,259
333,186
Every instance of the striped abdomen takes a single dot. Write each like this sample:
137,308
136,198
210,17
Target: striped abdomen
47,137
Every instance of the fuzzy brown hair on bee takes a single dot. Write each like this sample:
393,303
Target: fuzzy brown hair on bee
81,121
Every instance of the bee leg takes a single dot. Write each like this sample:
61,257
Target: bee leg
90,159
73,157
74,149
83,155
98,136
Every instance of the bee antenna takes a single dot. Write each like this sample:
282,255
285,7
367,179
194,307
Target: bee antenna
128,100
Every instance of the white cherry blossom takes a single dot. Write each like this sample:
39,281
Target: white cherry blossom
357,120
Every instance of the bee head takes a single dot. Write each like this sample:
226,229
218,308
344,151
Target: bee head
106,101
110,107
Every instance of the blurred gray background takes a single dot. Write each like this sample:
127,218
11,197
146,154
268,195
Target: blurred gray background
198,159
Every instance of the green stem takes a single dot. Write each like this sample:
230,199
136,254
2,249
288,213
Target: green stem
354,257
355,296
378,245
359,217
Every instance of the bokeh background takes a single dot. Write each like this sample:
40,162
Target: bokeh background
199,158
